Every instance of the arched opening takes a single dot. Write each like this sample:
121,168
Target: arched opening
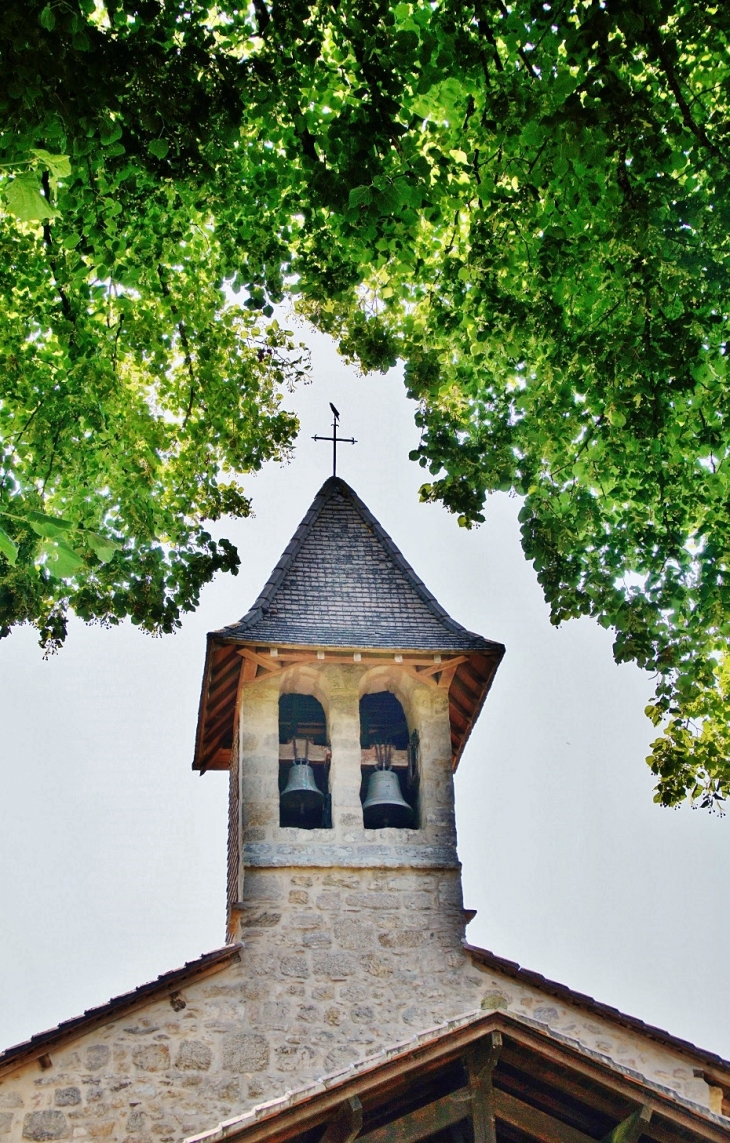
389,766
304,763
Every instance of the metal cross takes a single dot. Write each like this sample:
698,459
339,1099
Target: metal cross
334,438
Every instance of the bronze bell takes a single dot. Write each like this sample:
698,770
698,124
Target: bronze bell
385,804
301,792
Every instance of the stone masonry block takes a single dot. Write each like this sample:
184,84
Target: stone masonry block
6,1122
418,901
329,901
375,900
305,921
97,1056
41,1125
376,965
152,1058
294,966
66,1096
336,966
245,1052
354,933
316,940
194,1055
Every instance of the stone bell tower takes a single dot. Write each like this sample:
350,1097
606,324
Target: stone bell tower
351,926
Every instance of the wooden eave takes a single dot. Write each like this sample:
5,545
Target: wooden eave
230,663
533,1086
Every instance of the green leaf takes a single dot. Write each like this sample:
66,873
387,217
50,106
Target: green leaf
47,19
101,546
58,165
158,148
110,132
360,196
8,548
25,201
61,560
47,526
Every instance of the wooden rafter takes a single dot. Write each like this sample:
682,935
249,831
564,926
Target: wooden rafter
424,1121
631,1128
464,677
481,1062
345,1123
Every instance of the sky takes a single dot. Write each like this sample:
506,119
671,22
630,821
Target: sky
112,851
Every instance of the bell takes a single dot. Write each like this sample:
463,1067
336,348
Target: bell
384,804
302,792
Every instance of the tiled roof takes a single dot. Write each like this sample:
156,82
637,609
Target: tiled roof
93,1017
580,1000
343,583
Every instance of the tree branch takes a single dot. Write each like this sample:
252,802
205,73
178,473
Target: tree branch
48,243
660,48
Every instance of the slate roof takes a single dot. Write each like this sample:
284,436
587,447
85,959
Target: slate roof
342,582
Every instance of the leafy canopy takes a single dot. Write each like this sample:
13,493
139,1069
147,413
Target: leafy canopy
527,202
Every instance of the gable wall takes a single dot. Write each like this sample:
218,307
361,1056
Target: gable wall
264,1026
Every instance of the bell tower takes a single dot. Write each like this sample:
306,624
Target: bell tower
340,705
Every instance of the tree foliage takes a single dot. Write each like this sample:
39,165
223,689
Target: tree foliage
526,202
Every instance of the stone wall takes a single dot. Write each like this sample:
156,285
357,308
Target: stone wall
277,1021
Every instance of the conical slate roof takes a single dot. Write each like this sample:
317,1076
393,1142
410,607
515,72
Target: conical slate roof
342,582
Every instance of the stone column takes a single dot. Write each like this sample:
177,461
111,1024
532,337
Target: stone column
344,731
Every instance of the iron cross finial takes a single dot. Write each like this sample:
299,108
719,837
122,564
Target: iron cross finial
334,438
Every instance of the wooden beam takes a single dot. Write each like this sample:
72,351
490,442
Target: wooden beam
447,676
345,1124
435,668
534,1123
422,676
269,664
480,1064
424,1121
631,1129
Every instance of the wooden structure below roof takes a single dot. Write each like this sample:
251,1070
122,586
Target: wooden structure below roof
229,664
492,1080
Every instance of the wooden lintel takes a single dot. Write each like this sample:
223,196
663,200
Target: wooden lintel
424,1121
345,1124
537,1124
481,1062
631,1129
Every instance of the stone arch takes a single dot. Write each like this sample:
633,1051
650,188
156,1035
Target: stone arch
392,677
303,723
394,719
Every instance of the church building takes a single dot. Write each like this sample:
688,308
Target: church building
346,1003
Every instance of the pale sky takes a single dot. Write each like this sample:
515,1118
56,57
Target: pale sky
112,852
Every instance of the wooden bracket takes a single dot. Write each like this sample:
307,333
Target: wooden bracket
631,1128
345,1124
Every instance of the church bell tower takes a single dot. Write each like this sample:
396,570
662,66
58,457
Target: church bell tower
340,705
